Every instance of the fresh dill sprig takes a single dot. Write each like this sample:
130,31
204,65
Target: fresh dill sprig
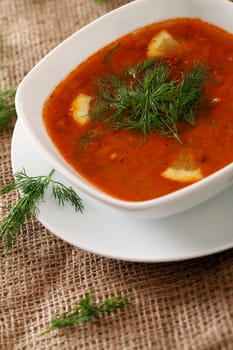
33,191
87,310
144,98
7,108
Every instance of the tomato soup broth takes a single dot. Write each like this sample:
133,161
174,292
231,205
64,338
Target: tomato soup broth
129,164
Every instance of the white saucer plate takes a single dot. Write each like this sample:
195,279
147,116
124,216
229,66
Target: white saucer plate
200,231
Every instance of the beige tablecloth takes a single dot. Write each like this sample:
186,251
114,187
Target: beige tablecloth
185,305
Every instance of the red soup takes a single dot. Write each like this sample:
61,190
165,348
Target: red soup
151,112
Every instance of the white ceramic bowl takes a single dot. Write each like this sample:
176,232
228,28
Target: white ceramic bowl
42,79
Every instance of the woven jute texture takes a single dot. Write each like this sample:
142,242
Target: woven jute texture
184,305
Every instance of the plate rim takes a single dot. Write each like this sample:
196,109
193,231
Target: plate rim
202,253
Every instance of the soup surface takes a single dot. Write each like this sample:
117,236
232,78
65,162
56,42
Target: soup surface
135,165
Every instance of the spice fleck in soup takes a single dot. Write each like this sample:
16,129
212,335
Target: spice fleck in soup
149,113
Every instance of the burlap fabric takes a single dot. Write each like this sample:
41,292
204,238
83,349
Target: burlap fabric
185,305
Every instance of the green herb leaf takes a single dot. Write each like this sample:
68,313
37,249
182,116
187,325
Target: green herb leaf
108,54
7,108
87,310
33,191
145,98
